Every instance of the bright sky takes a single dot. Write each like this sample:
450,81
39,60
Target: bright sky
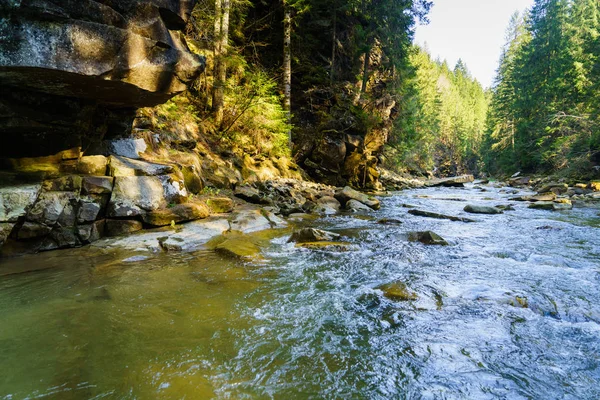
473,30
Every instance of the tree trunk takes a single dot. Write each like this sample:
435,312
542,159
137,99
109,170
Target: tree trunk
365,78
220,71
287,65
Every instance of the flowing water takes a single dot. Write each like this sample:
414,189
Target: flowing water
510,310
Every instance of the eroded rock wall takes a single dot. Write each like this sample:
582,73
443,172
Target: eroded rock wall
73,72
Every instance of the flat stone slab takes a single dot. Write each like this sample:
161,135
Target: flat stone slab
194,235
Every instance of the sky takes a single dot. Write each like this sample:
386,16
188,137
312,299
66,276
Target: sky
473,30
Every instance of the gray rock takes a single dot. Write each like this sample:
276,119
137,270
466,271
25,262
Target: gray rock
121,53
389,221
69,214
88,212
427,237
134,195
554,187
49,207
173,188
356,206
15,200
543,197
347,194
477,209
328,206
130,148
121,166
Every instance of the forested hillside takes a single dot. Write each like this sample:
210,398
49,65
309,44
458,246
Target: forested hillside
544,114
442,122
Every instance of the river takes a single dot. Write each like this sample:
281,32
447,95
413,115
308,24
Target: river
509,310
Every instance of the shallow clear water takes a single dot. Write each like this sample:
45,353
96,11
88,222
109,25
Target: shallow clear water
510,310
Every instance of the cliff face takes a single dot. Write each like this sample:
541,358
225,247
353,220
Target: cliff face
73,72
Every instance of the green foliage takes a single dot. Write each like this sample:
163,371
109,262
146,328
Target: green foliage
254,119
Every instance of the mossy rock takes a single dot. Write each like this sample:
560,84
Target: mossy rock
219,205
398,291
238,247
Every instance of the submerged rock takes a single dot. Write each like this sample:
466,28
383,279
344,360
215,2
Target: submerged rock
389,221
238,245
476,209
427,237
542,205
398,291
330,246
308,235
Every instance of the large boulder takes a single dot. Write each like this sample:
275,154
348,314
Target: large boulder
135,195
75,70
347,194
179,213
